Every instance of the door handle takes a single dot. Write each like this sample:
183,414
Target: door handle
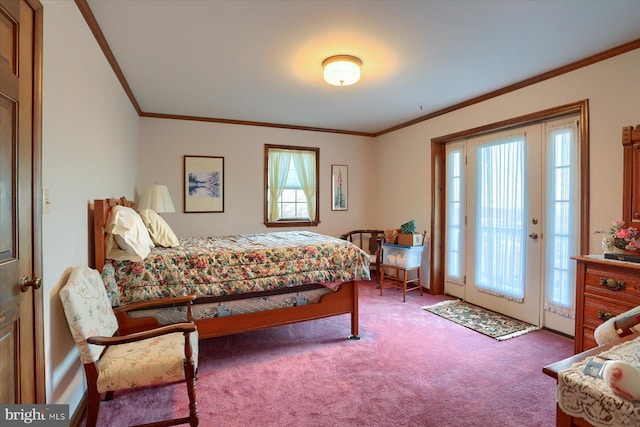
27,282
534,236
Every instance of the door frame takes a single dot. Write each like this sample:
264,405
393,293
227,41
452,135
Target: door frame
37,203
439,179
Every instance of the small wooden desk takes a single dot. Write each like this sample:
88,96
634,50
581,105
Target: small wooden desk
563,419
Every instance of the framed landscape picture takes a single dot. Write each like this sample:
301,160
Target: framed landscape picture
339,188
203,184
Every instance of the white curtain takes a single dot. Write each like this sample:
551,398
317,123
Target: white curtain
500,222
562,215
305,164
279,161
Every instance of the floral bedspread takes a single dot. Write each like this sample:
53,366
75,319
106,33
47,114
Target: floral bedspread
237,264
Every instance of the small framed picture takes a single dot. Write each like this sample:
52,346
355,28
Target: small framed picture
593,369
339,188
203,184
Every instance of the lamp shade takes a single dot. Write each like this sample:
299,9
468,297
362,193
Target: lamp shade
342,70
157,198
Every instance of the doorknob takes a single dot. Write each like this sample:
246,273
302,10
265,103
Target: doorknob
534,236
26,282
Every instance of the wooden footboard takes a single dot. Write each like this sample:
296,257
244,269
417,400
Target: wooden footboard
343,301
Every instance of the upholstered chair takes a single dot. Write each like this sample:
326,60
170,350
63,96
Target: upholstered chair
163,355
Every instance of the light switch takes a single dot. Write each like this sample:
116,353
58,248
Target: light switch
46,201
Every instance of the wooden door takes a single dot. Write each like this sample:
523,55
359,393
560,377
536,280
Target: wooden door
21,344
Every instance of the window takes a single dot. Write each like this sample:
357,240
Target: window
455,218
562,226
291,186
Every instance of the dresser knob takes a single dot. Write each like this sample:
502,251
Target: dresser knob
614,285
603,315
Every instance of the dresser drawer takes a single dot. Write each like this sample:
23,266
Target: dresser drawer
595,307
613,283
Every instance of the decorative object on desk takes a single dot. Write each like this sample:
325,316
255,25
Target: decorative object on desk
627,239
622,378
622,244
408,227
339,187
407,235
414,239
203,184
593,369
391,235
487,322
607,245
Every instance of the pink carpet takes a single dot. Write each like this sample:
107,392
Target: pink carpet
411,368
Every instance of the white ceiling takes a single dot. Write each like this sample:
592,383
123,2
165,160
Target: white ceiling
260,60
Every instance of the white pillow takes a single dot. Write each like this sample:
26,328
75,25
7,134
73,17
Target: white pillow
126,228
159,230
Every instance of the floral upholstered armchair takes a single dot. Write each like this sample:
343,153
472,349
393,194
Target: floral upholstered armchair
166,354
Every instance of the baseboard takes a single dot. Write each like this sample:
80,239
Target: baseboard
79,412
562,334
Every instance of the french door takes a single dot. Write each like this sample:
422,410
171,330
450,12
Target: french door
511,224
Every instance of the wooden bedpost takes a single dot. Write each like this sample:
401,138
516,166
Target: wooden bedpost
354,313
99,220
101,208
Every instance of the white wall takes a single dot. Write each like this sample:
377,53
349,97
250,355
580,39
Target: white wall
613,90
89,150
163,143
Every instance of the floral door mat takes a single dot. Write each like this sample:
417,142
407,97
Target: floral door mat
490,323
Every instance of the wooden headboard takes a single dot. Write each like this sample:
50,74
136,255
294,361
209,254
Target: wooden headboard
101,209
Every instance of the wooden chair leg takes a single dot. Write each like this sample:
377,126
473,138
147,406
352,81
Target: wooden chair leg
419,281
404,285
93,407
191,391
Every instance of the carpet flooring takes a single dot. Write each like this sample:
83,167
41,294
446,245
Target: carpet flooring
487,322
411,368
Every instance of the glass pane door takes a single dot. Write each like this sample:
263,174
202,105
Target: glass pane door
504,209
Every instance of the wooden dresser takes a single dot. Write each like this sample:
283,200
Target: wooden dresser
604,288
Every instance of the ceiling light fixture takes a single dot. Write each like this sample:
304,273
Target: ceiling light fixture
342,70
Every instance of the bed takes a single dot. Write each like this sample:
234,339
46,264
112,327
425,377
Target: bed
320,283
